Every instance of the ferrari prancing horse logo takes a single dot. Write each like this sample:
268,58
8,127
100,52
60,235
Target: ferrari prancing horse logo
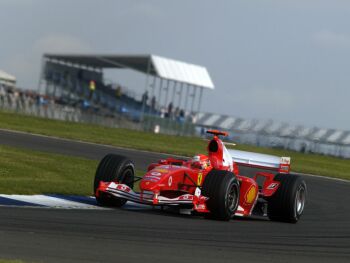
199,178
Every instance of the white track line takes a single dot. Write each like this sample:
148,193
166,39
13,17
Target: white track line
50,201
90,143
326,177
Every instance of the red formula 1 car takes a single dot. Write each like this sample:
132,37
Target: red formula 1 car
209,184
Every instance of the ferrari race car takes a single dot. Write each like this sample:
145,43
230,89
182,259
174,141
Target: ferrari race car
211,184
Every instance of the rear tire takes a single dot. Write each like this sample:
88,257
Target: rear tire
223,191
287,204
113,168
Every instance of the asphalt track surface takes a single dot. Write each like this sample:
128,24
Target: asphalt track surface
52,235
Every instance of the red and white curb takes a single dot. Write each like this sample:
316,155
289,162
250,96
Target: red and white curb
60,202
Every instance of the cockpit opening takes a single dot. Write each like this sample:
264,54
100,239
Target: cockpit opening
213,146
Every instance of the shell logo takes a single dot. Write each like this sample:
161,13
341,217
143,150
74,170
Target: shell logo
250,195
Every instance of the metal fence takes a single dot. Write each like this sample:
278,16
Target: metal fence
30,103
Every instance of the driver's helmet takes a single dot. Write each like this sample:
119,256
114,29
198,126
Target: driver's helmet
201,161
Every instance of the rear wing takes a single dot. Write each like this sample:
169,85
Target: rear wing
263,161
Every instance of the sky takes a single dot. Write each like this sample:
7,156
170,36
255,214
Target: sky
285,60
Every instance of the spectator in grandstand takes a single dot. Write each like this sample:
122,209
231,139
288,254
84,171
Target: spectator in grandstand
2,95
170,110
118,92
85,104
92,88
16,98
22,99
193,117
182,115
153,104
144,98
30,99
79,82
163,112
177,114
123,109
40,100
202,132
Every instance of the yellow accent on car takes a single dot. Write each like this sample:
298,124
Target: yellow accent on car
251,194
160,170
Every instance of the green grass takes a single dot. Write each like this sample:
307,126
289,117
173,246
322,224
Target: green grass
31,172
304,163
98,134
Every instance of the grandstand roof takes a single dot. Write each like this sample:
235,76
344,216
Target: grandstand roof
149,64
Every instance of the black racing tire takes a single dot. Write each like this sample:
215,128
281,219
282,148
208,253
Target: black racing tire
113,168
222,188
287,204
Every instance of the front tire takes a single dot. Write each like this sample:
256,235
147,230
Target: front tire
113,168
287,204
223,191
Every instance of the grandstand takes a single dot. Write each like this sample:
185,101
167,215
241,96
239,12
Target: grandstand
172,91
280,135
